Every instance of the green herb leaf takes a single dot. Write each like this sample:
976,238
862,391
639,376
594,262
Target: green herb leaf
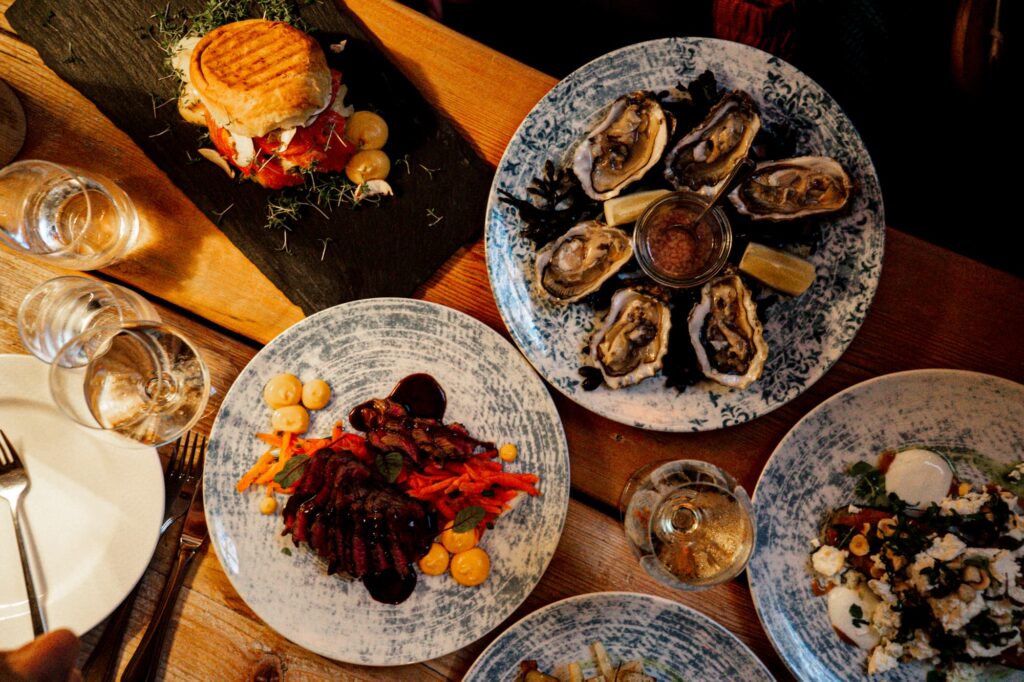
292,471
390,465
468,519
858,615
861,468
286,551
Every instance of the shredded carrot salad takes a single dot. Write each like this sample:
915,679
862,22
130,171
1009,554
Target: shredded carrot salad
478,481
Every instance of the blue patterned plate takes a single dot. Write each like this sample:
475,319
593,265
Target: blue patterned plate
675,642
362,349
805,334
805,478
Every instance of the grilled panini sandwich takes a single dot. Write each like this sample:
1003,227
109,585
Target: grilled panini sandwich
272,105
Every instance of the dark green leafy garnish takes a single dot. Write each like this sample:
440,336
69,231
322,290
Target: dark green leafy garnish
592,378
292,471
468,518
857,614
389,465
558,202
286,551
870,485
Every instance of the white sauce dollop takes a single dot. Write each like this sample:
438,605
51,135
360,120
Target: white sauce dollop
840,599
918,477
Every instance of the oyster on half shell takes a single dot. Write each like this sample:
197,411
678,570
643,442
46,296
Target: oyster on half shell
622,147
630,345
792,188
726,335
703,159
580,261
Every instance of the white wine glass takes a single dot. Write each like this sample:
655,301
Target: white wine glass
142,380
689,522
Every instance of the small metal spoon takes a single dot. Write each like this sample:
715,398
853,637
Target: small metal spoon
745,165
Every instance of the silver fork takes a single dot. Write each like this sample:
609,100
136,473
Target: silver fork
143,664
185,464
13,484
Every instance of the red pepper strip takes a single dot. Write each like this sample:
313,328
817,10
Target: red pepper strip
488,465
436,487
444,509
516,481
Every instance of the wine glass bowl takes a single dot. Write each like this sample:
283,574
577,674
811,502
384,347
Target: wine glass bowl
142,380
689,523
63,307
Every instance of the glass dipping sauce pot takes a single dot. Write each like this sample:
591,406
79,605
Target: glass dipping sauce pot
672,249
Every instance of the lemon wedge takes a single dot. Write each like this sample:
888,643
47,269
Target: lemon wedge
780,270
626,209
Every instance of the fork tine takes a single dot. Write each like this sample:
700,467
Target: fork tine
198,452
180,457
8,450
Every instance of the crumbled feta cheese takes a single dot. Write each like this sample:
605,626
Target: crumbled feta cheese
1004,568
854,509
885,620
815,543
920,648
884,657
979,650
877,563
883,590
853,579
828,560
1001,611
971,503
915,574
946,548
1017,473
954,613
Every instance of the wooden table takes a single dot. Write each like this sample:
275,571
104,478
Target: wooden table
933,308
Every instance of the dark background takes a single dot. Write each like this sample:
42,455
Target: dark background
946,147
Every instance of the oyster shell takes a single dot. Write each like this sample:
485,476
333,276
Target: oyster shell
702,160
631,343
792,188
580,261
726,334
621,148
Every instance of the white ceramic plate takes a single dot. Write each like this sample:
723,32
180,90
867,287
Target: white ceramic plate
91,517
804,479
675,642
805,334
362,349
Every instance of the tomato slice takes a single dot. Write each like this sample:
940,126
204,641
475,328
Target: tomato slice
321,143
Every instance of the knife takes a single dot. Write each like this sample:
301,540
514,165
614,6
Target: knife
144,662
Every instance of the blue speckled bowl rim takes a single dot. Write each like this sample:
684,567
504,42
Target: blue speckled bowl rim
493,200
525,621
776,455
296,328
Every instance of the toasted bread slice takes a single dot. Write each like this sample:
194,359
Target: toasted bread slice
255,76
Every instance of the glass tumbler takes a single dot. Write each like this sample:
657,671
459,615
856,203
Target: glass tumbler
62,216
142,380
689,523
61,308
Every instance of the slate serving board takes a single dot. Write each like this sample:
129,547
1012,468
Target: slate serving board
107,51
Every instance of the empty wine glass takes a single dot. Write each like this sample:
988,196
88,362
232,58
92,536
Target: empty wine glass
63,216
61,308
143,380
689,523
